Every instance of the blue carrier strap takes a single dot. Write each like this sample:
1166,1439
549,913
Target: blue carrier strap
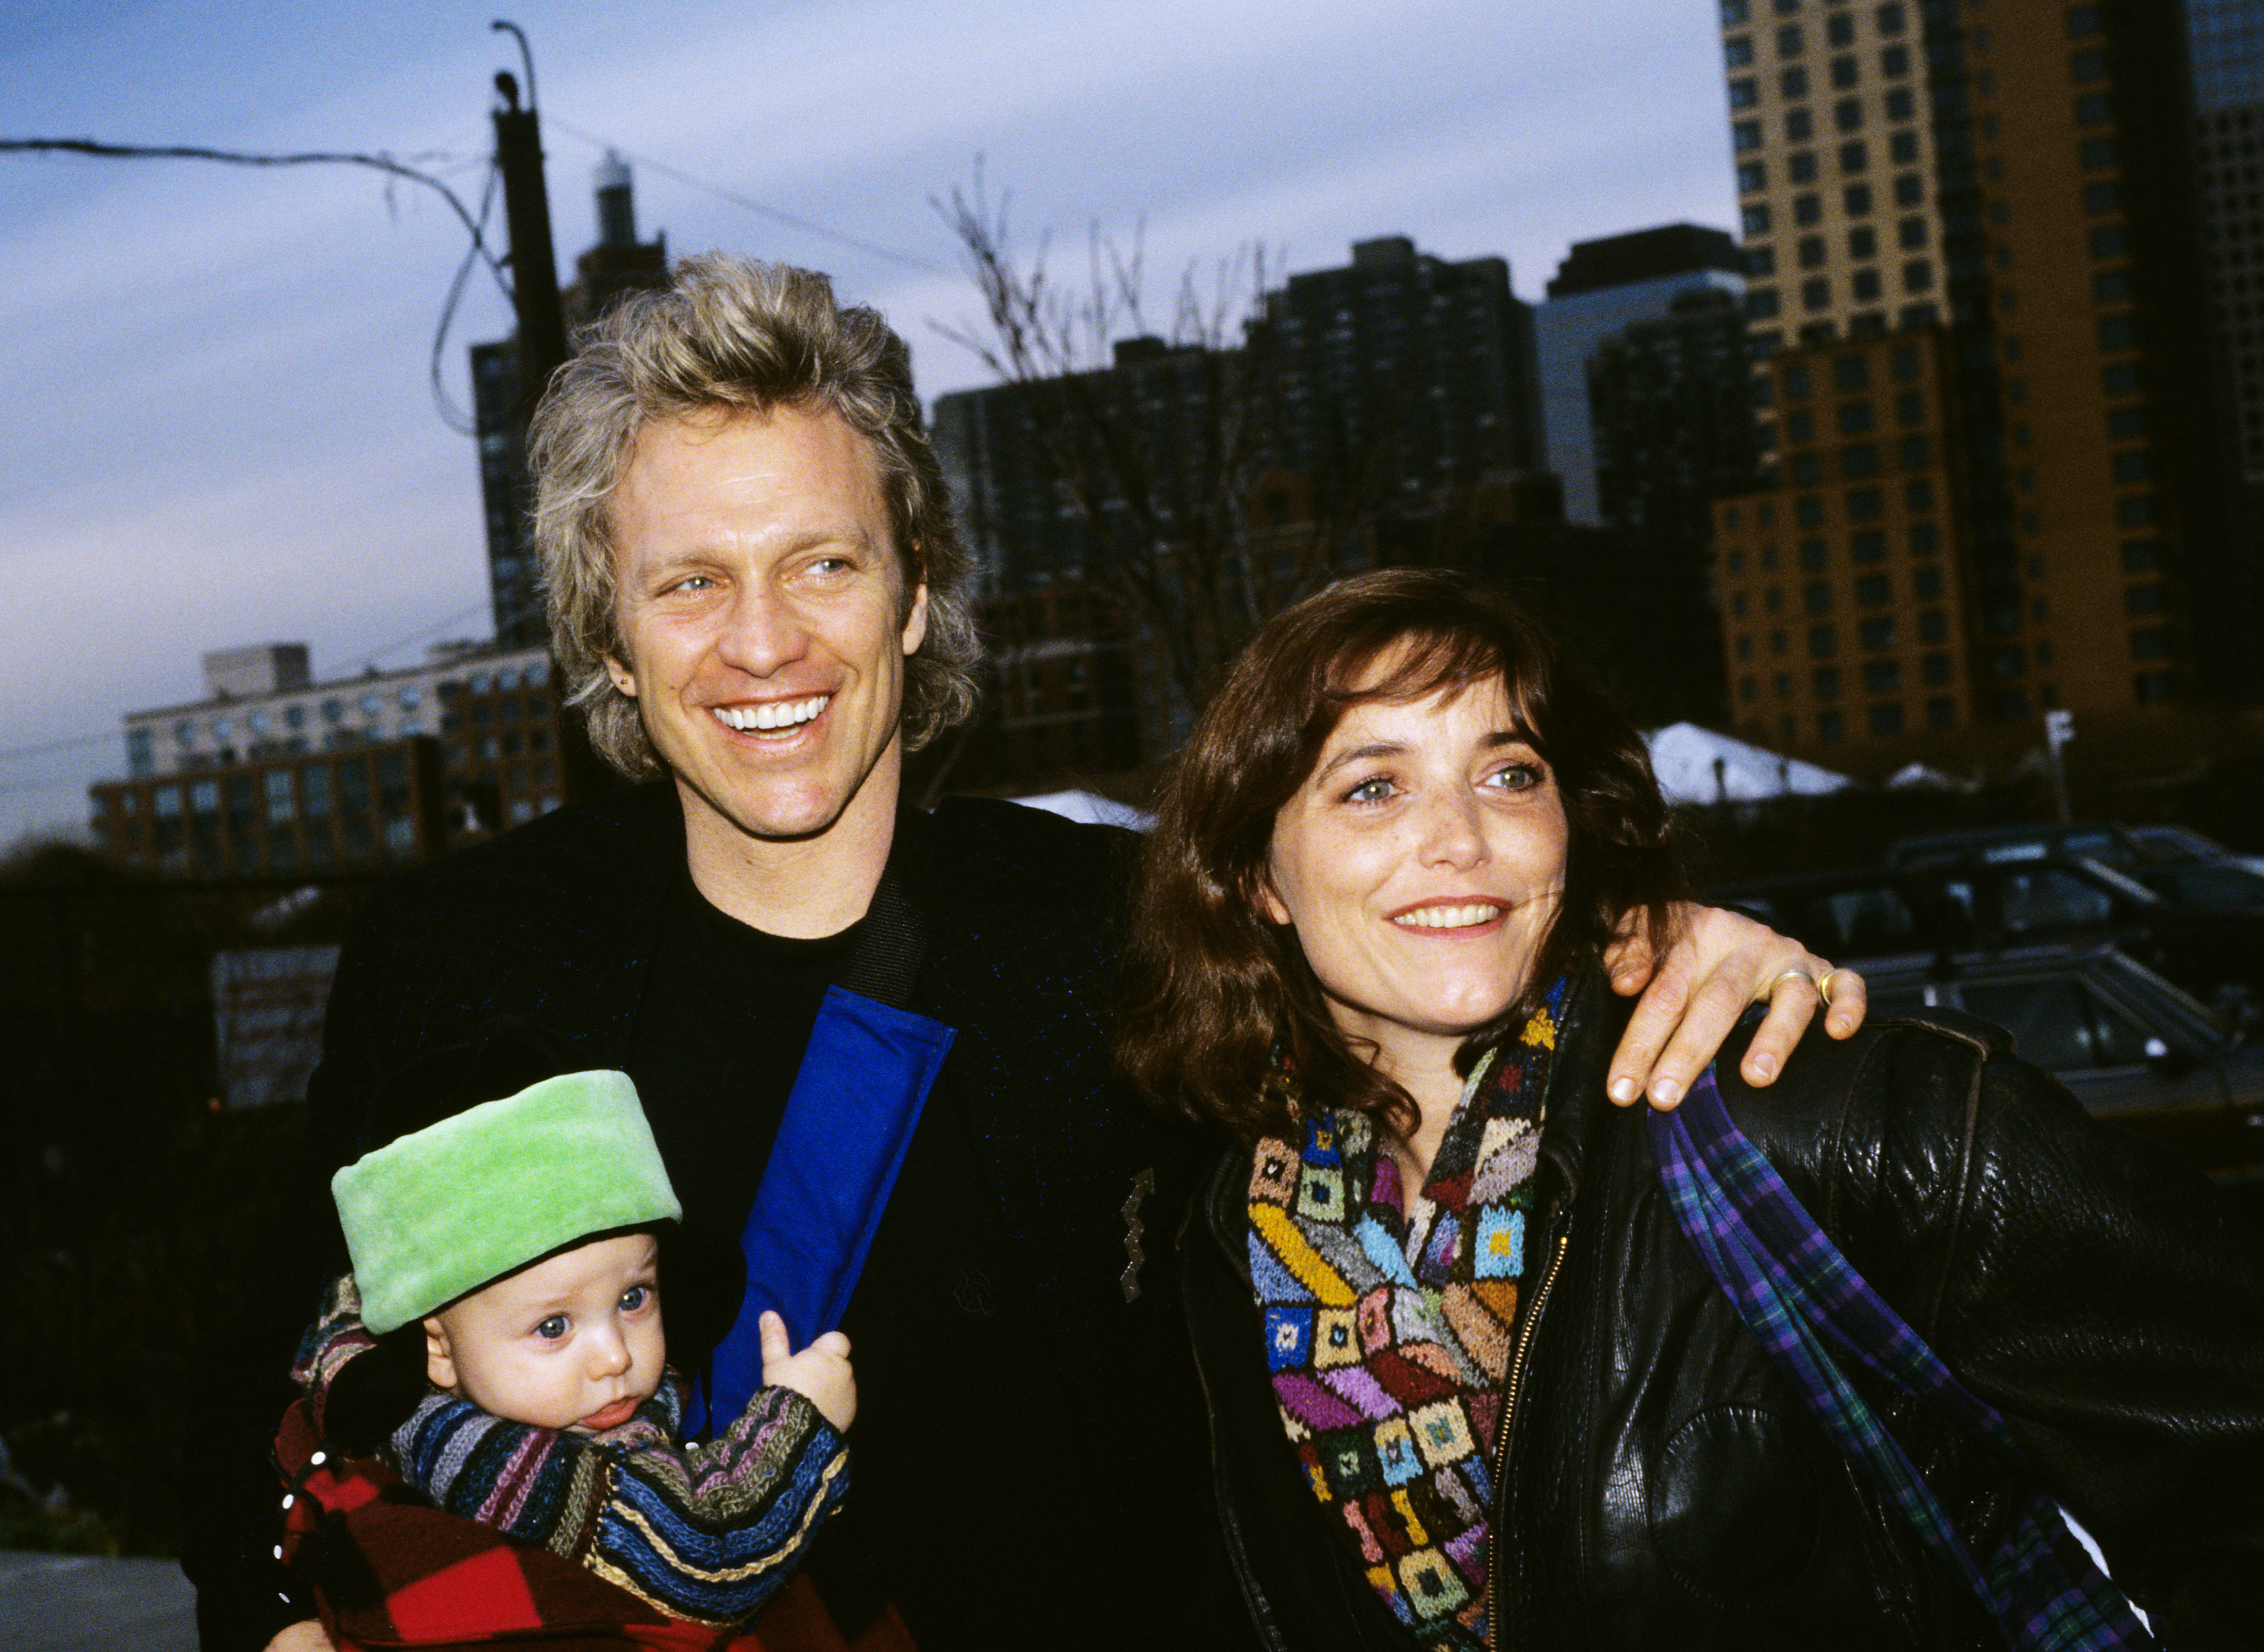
849,1121
1809,1310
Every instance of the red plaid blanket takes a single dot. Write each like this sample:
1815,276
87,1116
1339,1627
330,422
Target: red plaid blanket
388,1569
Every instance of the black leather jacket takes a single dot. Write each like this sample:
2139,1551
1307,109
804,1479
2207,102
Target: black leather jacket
1665,1487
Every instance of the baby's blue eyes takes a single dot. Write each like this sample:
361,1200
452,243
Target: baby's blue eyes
634,1298
552,1328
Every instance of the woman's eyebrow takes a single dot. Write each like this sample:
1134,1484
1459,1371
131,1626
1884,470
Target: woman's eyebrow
1359,755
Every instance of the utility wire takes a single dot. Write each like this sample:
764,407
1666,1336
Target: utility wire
239,157
910,260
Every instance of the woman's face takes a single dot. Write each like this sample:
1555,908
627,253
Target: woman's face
1421,865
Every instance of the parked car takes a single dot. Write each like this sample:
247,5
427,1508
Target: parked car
2132,1047
2100,840
2182,846
2214,951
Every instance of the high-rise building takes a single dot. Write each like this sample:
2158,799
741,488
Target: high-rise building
1671,424
1399,375
2225,40
1974,301
1603,288
501,403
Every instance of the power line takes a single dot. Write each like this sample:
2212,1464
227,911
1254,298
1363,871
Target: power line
910,260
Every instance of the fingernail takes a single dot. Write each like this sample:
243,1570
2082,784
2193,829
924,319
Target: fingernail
1763,1067
1625,1090
1665,1092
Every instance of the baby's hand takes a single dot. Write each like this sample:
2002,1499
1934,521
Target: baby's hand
820,1372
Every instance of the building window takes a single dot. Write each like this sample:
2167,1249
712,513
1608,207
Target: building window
1878,633
1801,168
1744,94
1753,176
1873,590
1816,596
1737,51
1824,682
1844,72
1813,555
1760,260
1866,285
1868,544
1816,293
2139,556
1847,115
1799,125
1807,210
2121,379
1840,29
1831,726
2096,153
1793,83
2135,510
2117,333
1864,505
1863,242
1926,583
1823,642
1895,62
1855,417
2152,687
1789,42
1933,626
2094,109
1910,189
1810,251
1755,220
1761,303
1886,719
2089,64
1859,459
1890,17
2131,466
1902,149
1734,13
1746,136
2141,600
1858,200
2151,642
2105,196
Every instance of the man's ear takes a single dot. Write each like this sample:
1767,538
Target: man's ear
440,1365
915,619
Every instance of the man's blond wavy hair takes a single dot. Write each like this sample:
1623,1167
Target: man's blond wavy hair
736,335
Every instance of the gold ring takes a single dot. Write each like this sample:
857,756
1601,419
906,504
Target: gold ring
1783,976
1823,987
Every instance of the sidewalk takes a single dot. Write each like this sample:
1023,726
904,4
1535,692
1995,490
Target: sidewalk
81,1603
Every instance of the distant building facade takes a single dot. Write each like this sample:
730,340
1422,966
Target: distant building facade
502,401
277,774
1360,392
1976,314
1602,288
1671,419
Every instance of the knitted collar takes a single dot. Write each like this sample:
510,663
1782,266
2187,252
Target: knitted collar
1387,1325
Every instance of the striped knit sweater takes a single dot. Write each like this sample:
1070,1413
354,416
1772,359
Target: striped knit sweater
707,1532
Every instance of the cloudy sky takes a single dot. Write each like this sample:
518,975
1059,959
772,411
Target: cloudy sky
225,432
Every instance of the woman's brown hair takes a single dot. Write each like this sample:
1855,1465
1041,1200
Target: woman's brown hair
1214,989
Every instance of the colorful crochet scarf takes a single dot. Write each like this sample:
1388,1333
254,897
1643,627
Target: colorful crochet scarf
1388,1328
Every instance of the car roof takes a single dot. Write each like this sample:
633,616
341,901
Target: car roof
2101,839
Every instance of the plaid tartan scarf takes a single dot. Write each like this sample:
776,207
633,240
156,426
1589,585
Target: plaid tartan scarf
1387,1327
391,1570
1803,1300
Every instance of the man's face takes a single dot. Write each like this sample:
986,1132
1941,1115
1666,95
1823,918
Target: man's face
763,621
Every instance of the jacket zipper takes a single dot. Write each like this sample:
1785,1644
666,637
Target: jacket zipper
1509,1394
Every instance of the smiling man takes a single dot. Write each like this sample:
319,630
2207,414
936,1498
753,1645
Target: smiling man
872,1041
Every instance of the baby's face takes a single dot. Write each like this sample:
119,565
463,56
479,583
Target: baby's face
572,1343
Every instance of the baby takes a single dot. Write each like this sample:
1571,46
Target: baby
505,1262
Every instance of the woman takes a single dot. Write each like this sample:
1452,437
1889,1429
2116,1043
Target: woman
1470,1385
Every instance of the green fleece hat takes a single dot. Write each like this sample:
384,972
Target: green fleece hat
446,1209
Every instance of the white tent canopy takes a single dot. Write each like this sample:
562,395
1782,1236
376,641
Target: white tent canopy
1091,808
1696,765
